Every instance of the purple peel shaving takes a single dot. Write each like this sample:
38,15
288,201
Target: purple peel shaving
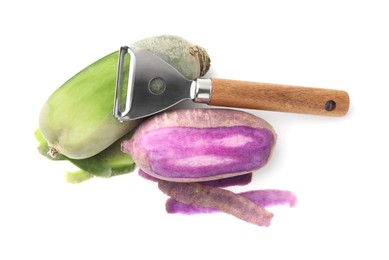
201,195
213,199
263,198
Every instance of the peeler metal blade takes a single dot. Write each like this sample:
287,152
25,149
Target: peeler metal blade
153,85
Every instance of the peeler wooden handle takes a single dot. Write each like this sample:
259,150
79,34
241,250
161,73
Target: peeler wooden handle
278,97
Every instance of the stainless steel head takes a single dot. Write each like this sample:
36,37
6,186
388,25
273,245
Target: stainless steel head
153,85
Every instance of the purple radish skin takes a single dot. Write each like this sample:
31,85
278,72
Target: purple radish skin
200,195
239,180
263,198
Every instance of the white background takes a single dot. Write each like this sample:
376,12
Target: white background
337,167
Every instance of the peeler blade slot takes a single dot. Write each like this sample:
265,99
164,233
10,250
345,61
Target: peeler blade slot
118,111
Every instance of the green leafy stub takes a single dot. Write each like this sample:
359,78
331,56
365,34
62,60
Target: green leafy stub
78,176
44,148
110,162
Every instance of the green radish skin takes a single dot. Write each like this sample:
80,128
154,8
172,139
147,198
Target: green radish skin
191,60
77,120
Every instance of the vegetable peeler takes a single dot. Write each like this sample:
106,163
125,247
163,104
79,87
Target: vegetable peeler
154,86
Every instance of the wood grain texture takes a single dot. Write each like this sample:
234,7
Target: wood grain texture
277,97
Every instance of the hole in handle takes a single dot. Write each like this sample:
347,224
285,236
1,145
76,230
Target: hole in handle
330,105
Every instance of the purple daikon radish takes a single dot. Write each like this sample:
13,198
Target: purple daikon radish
193,145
